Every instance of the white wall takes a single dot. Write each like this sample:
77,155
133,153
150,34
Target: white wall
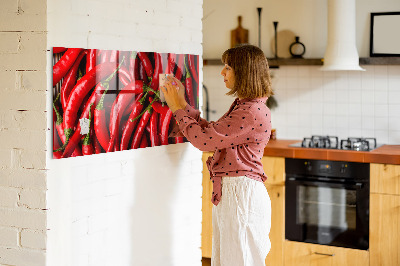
311,102
136,207
304,18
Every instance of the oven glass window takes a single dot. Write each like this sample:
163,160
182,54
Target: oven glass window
326,207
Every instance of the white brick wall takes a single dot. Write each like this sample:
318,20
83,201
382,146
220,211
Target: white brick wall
136,207
23,132
92,203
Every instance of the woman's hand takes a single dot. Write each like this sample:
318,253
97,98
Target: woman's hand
174,93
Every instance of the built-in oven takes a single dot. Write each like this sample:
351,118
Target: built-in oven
327,202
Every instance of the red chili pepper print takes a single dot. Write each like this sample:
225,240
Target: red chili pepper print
64,64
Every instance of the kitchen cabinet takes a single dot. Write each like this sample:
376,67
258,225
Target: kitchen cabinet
206,226
385,214
274,168
305,254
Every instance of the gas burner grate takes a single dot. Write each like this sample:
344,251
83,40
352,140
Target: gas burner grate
327,142
358,144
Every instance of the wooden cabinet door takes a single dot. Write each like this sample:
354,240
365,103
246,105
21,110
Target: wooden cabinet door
277,233
384,236
274,168
305,254
385,178
206,233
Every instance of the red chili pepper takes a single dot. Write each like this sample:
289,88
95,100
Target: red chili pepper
137,136
100,125
91,59
154,138
142,73
124,76
64,64
121,102
144,143
178,139
179,66
105,56
133,65
97,147
165,119
72,143
189,87
57,50
146,63
170,63
131,123
114,54
157,71
137,69
60,129
70,80
192,67
59,121
83,86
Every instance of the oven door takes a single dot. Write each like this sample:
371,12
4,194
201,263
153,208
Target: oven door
327,213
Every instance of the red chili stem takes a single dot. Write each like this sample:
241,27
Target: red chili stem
64,64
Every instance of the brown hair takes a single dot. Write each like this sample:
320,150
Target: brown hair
250,66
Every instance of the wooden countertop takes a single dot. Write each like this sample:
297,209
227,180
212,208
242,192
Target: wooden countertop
389,154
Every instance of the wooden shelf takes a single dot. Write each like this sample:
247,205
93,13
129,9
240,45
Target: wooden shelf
380,61
274,63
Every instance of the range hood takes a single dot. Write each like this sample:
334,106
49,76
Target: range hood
341,51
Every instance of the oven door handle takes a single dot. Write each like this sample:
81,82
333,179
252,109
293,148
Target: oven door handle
357,185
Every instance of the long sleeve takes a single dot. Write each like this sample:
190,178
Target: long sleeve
193,113
231,130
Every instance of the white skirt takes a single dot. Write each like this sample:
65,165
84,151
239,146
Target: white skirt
241,223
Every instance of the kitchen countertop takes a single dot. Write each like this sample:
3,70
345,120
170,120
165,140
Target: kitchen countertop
389,154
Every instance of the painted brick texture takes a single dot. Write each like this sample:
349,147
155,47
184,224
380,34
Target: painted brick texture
23,132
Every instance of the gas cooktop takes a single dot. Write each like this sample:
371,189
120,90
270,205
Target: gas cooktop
332,142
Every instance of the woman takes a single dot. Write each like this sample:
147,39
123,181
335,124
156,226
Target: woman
242,208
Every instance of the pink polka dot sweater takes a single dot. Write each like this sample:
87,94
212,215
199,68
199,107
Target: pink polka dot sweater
238,139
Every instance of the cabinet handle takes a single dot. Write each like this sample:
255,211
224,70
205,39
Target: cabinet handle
325,254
